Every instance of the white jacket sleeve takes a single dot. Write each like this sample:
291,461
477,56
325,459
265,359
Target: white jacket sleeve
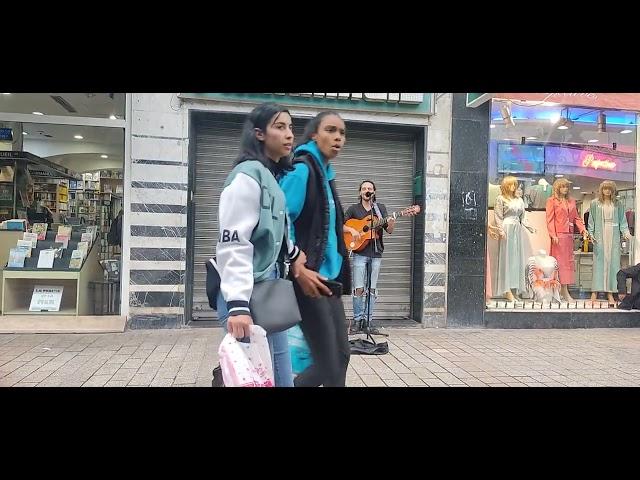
238,215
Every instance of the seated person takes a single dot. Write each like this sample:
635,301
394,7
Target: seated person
632,300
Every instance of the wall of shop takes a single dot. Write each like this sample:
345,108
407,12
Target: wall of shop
155,226
437,212
467,213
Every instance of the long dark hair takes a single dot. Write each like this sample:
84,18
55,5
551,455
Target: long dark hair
313,125
253,149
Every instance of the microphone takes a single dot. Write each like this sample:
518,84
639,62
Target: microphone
368,194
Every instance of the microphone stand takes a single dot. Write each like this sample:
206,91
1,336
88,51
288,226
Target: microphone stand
365,323
368,346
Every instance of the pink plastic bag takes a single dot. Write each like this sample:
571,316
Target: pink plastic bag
246,364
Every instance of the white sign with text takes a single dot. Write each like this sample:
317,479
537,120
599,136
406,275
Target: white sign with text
46,298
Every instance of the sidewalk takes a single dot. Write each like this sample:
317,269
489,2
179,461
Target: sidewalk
417,357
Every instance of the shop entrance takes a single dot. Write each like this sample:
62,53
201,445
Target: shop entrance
61,214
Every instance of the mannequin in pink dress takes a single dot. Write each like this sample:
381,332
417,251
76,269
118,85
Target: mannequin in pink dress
562,220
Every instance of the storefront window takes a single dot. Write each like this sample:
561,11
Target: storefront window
88,105
562,204
61,205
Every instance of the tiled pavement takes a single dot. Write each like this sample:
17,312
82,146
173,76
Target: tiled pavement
417,357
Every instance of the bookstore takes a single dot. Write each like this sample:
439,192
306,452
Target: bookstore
61,212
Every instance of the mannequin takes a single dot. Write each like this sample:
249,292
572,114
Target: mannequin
513,245
562,217
606,223
543,278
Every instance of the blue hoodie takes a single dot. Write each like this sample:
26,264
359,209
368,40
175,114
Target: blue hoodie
294,185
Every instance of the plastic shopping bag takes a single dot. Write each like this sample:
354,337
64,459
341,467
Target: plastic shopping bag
299,350
246,364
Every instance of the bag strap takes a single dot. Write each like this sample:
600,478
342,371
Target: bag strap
283,256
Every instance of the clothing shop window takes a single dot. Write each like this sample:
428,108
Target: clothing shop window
561,205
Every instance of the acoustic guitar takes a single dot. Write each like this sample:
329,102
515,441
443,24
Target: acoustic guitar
367,233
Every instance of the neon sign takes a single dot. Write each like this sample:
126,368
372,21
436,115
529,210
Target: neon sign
590,161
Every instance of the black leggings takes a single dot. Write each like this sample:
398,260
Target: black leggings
325,329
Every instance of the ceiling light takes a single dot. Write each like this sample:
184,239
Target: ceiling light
25,133
593,140
37,113
576,188
113,117
549,104
104,156
532,138
564,123
78,137
493,126
626,130
6,94
559,176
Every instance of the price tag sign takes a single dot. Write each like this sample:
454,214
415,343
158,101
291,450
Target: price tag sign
46,298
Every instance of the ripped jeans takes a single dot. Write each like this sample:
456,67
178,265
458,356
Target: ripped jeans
360,266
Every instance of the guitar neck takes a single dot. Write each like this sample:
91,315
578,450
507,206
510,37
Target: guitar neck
383,221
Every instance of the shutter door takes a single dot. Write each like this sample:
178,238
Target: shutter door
370,153
388,160
217,145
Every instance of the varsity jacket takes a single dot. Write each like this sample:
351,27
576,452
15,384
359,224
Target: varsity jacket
251,220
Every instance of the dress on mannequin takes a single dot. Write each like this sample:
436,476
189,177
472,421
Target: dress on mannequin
562,217
542,277
606,223
514,248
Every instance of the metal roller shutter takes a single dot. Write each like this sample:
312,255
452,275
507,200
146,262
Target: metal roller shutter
370,153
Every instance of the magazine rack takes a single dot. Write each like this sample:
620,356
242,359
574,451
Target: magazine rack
8,240
18,283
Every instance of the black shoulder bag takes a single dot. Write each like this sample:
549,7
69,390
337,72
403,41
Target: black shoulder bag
273,302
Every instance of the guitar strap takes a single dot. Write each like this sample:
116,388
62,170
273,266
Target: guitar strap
377,211
379,215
